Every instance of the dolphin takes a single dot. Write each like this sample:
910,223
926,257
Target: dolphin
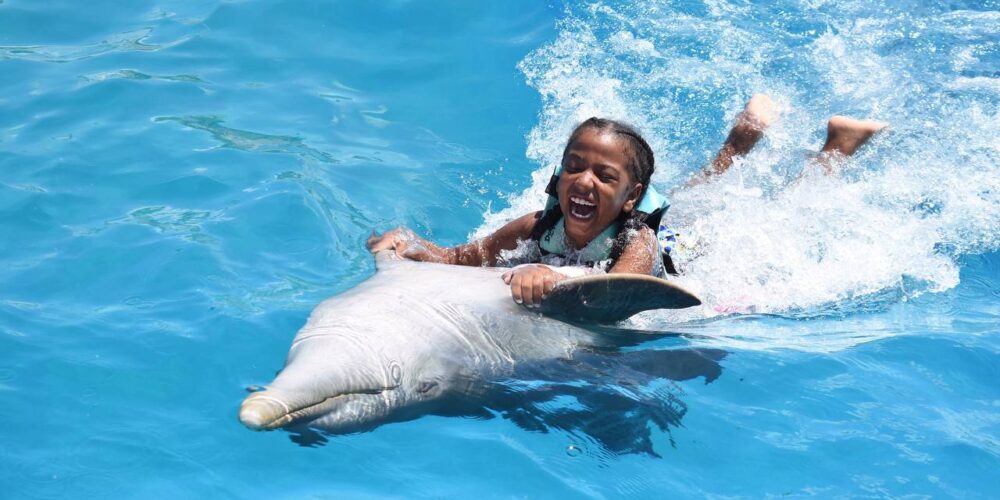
415,335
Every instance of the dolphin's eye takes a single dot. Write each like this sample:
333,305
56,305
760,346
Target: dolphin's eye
426,386
395,372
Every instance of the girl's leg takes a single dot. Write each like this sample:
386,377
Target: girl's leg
843,137
760,113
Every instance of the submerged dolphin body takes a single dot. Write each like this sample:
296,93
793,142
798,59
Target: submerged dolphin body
416,334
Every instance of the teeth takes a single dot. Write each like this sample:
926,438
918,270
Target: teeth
582,201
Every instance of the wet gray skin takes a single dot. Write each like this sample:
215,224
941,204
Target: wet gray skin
411,334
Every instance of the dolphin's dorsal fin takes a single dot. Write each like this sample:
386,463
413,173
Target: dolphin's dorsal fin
609,298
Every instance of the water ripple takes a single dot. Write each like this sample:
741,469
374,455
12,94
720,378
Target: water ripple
131,41
246,140
186,223
131,74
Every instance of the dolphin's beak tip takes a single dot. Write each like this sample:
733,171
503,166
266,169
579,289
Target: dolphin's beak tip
251,418
259,414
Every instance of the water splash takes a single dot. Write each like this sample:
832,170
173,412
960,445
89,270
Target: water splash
772,236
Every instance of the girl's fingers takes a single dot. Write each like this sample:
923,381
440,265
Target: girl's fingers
385,241
529,285
537,288
527,293
515,289
525,285
400,247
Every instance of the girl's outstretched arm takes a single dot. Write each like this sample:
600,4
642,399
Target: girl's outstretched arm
484,252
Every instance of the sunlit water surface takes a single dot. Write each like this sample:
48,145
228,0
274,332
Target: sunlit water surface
181,182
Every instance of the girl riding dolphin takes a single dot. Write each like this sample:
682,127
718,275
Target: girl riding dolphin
603,215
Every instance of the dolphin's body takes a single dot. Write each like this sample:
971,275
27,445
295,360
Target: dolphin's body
407,337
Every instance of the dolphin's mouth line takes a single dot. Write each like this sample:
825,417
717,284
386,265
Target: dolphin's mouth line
330,401
288,416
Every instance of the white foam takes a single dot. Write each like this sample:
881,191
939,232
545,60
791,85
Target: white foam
892,226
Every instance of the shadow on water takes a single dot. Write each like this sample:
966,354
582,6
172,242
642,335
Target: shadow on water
613,397
610,397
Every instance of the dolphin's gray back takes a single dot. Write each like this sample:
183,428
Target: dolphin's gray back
465,309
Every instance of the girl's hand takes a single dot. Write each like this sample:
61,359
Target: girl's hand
404,242
530,283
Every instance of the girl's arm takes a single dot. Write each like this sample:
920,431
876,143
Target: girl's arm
640,255
482,252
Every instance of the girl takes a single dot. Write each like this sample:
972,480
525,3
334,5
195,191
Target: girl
602,212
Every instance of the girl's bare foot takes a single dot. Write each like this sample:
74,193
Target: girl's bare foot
845,135
760,113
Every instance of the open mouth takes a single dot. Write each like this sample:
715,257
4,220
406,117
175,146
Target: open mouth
581,208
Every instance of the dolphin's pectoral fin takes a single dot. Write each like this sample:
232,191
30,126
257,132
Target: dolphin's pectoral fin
672,364
614,337
631,367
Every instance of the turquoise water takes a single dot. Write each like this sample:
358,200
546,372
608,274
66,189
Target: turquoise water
182,182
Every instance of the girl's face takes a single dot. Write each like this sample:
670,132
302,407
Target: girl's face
595,185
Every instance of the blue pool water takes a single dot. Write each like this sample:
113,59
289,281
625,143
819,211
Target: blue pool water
182,182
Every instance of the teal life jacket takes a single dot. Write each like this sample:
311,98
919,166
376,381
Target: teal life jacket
608,246
553,241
